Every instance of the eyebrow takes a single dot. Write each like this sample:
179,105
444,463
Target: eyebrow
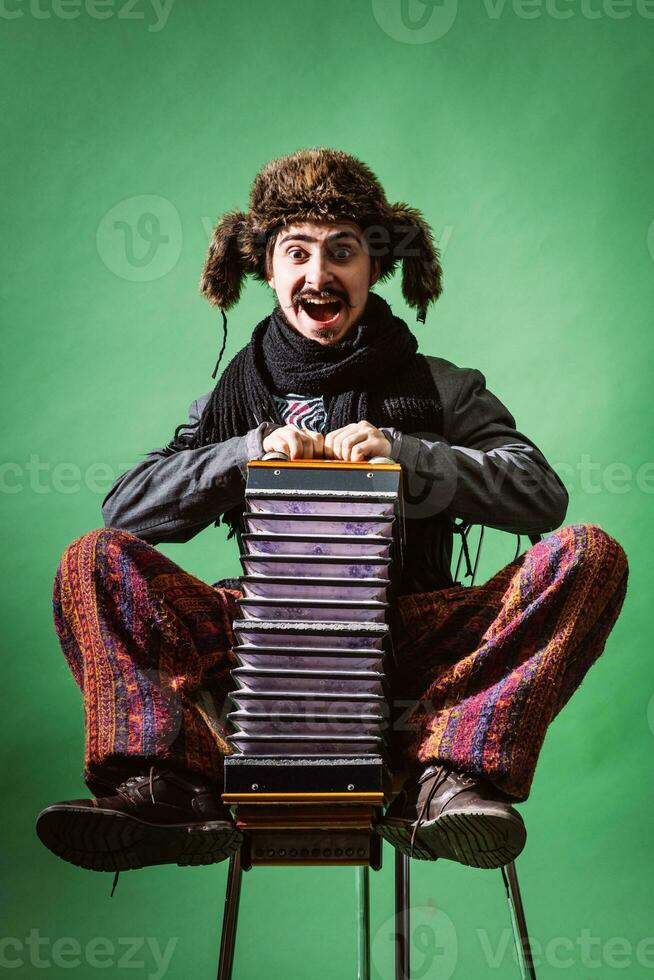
330,238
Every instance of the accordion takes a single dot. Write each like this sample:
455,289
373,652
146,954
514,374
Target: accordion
321,548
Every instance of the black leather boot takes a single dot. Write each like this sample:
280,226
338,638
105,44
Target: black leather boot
161,818
444,813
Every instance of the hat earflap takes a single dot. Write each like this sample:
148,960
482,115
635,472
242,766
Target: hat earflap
422,275
225,263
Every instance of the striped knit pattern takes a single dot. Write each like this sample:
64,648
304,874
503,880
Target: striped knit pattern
488,667
305,413
150,647
492,665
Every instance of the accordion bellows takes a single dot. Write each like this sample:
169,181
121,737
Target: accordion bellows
319,546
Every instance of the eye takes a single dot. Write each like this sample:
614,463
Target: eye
296,252
343,252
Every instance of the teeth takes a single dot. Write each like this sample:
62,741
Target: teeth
320,302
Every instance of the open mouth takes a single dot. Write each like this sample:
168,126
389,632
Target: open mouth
322,310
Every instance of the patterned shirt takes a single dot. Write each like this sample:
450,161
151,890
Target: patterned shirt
309,413
304,412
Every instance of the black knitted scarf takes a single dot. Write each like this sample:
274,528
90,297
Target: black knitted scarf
375,373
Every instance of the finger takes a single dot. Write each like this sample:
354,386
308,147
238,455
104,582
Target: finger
328,446
294,443
336,445
318,442
363,450
330,440
334,439
339,436
303,443
307,444
278,445
344,428
351,442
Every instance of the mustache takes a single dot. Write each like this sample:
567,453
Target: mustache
320,294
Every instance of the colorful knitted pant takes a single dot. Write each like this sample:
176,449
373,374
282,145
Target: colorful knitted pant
484,669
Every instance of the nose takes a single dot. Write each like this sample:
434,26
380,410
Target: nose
318,272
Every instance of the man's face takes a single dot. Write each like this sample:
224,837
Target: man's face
329,264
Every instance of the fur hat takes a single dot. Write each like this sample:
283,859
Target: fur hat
321,185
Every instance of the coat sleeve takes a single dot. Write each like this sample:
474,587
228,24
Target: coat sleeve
175,492
481,469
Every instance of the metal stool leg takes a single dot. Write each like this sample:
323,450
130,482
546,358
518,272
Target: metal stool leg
363,922
230,918
402,920
518,921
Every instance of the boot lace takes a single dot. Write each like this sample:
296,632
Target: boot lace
438,774
124,790
134,782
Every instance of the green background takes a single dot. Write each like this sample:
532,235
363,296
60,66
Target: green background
525,137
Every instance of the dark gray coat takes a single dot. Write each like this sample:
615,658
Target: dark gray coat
479,469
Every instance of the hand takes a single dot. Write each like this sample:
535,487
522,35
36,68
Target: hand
296,443
356,442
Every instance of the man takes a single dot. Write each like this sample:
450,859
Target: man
331,373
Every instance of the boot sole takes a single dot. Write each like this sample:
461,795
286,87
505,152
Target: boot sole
103,840
473,837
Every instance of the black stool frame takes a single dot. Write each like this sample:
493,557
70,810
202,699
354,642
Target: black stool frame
402,875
